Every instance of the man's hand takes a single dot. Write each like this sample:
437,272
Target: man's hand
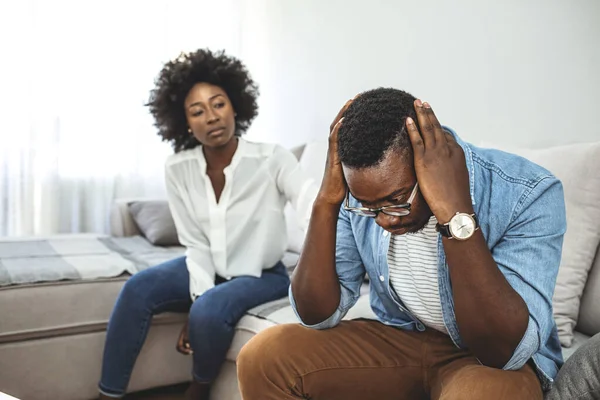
333,187
440,166
492,330
183,344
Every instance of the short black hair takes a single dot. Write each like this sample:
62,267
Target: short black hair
177,78
373,124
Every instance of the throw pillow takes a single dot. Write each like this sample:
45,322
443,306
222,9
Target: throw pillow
153,218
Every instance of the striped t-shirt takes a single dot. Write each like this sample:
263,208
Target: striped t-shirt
413,262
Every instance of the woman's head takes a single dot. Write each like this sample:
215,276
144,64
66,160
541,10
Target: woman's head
203,98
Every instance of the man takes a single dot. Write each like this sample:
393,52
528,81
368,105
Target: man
462,247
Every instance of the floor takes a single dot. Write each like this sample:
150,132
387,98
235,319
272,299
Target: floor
168,393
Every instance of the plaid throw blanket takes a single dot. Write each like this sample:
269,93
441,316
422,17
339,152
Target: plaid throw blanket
75,257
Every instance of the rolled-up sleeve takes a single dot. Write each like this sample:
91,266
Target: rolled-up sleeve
529,256
350,271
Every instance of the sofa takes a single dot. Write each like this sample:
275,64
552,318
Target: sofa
53,317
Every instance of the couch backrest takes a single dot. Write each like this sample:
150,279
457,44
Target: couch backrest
589,311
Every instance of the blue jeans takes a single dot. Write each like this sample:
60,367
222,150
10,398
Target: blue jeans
212,317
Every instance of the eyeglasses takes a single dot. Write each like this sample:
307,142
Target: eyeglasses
397,210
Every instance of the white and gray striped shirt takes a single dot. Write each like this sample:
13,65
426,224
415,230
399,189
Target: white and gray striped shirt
413,262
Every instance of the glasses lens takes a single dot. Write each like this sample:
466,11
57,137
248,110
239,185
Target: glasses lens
363,213
396,211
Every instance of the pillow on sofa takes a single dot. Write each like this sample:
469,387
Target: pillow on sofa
578,168
153,218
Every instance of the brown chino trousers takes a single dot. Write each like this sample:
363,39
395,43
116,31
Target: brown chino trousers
363,359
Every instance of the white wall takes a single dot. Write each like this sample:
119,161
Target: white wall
525,73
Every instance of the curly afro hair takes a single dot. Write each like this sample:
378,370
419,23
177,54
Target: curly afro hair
373,124
177,78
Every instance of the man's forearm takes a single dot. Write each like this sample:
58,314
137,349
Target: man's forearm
492,317
315,283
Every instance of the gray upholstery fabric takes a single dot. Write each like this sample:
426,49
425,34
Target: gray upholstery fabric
155,221
579,340
121,221
68,367
579,378
589,312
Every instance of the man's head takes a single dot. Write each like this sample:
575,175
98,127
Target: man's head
377,157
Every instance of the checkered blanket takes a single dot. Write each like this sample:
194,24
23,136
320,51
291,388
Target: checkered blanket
76,257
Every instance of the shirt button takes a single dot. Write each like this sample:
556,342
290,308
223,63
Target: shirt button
385,233
381,278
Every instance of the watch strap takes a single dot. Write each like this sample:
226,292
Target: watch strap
443,229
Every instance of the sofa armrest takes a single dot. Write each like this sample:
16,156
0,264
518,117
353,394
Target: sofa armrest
121,221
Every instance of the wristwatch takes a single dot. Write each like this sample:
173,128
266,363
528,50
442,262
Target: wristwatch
461,227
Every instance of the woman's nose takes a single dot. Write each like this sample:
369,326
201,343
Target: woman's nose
211,116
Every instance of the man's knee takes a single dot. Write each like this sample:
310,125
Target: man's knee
272,351
266,348
478,382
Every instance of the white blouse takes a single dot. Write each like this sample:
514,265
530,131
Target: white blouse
245,232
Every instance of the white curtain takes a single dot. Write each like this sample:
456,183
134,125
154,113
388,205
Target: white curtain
74,131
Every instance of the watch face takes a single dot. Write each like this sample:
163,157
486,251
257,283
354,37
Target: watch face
462,226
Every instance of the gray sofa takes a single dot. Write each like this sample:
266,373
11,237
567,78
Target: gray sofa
52,333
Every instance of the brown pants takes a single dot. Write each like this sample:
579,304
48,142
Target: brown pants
363,359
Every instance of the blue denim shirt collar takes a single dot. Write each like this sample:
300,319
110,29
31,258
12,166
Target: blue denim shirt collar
468,158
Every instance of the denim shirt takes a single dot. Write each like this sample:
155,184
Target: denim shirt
521,213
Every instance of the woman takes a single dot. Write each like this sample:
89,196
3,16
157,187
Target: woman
227,197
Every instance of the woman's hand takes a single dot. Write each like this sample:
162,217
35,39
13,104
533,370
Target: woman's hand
183,344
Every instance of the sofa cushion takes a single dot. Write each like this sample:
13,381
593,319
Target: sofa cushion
577,166
589,312
579,340
155,221
53,309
